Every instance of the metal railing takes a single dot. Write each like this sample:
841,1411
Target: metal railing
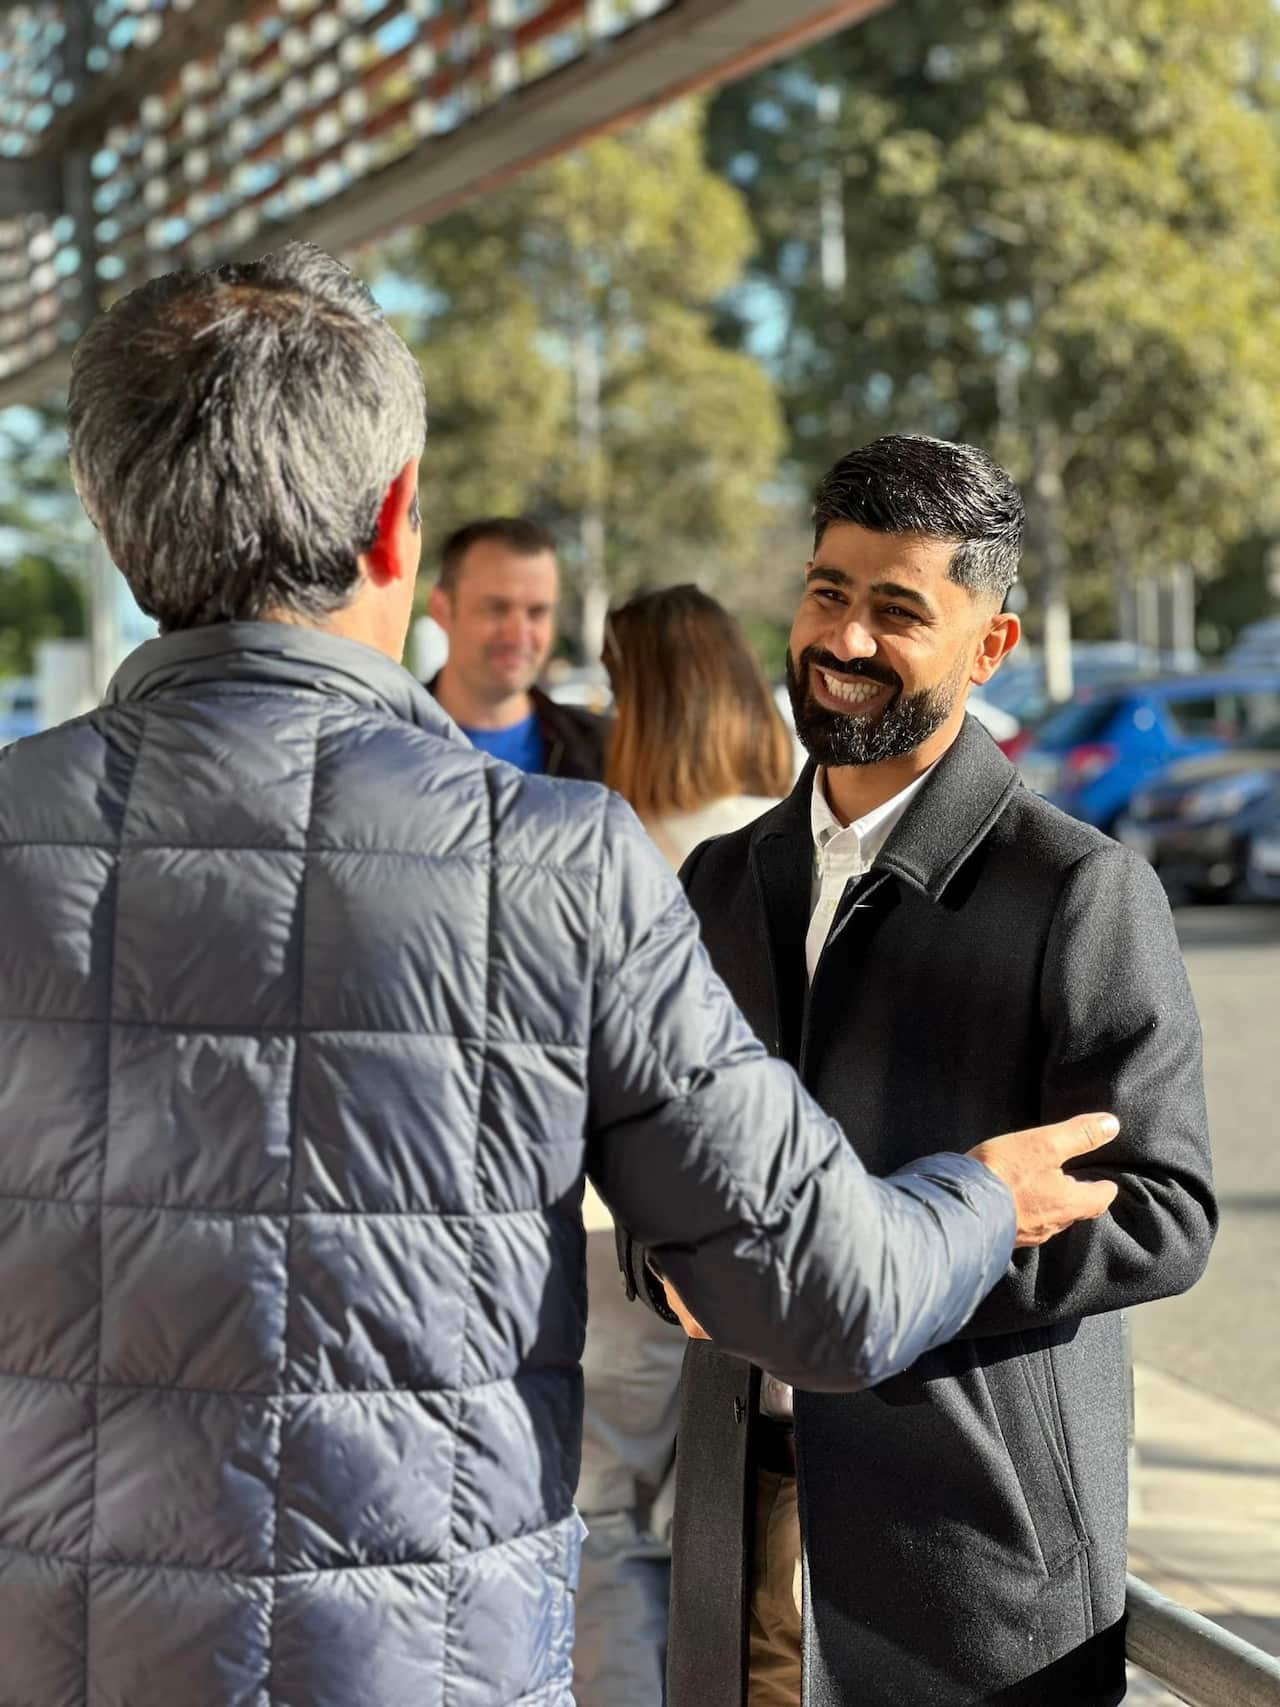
1200,1662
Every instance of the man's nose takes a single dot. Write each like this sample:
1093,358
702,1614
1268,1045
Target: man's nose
856,640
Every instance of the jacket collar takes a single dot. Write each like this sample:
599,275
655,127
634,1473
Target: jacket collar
278,654
962,796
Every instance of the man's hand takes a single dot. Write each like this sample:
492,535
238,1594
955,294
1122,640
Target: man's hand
691,1325
1030,1164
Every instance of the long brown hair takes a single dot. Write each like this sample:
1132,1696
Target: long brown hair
694,719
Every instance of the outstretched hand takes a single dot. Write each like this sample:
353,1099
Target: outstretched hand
1031,1165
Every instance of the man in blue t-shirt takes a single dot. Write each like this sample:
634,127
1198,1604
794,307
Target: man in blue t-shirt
496,600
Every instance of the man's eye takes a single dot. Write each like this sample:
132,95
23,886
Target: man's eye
901,610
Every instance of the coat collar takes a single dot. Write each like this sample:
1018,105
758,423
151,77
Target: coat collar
279,654
961,798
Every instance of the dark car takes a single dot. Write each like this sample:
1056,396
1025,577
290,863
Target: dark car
1093,755
1262,859
1196,821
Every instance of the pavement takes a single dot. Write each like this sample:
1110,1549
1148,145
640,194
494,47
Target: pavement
1222,1336
1205,1498
1204,1520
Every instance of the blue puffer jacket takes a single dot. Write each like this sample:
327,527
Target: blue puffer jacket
310,1019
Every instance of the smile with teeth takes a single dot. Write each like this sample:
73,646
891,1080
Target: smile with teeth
853,693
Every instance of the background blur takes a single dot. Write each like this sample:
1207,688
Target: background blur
1051,227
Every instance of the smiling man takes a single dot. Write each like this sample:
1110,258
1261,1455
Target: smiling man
936,951
496,599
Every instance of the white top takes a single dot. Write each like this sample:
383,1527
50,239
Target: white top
677,835
841,852
844,851
680,832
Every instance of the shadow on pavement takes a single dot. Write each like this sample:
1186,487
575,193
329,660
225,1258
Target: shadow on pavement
1160,1458
1264,1633
1244,926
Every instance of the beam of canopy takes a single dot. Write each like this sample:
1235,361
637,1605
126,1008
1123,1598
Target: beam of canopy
137,136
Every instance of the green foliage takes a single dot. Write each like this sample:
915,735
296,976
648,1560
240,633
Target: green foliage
1061,224
38,601
565,325
41,597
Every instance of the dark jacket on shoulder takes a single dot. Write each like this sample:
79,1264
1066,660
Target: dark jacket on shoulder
965,1522
575,739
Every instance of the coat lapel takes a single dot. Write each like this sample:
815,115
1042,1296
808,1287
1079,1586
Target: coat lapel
966,792
781,857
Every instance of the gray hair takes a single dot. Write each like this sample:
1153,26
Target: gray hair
233,434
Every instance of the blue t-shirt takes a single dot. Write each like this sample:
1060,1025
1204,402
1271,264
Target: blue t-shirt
520,744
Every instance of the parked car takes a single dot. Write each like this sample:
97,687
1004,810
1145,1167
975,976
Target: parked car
1257,646
1092,756
1262,861
1196,821
19,709
1019,687
1002,726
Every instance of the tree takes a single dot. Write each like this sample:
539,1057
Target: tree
41,593
1051,229
565,326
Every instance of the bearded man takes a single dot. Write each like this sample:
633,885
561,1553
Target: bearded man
937,952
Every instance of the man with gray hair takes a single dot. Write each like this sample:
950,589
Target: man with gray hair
312,1018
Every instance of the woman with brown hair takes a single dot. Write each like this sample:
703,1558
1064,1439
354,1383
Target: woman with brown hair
698,748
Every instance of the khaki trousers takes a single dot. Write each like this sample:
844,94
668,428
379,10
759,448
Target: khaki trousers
777,1630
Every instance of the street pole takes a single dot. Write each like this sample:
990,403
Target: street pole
593,586
833,261
1045,538
77,192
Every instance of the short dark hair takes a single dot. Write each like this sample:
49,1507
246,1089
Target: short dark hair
233,433
908,483
518,533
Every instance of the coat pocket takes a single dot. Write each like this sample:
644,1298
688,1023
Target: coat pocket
1025,1407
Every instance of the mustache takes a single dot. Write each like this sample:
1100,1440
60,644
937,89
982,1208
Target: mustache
867,668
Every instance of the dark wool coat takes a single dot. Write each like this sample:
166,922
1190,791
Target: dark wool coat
311,1017
964,1523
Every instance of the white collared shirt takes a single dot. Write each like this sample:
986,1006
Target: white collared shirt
840,852
844,851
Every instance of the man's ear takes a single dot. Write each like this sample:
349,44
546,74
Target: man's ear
440,606
397,545
995,644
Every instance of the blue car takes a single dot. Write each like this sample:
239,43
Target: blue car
1093,755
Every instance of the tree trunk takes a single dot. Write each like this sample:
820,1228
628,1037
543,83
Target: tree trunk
1044,536
593,585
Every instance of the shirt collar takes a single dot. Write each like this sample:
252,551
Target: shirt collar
863,839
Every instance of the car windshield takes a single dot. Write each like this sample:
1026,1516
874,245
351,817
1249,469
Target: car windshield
1076,724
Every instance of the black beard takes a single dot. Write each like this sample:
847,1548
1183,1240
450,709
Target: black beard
853,738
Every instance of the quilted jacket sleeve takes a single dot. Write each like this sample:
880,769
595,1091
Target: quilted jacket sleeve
713,1157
